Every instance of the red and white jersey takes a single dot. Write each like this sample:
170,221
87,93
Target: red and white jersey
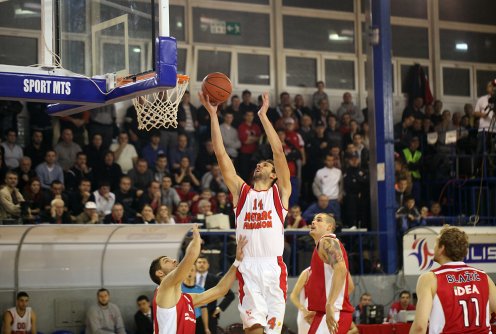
319,283
179,319
260,217
461,302
20,325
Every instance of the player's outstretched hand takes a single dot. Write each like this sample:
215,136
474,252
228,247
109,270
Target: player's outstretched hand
265,104
239,247
205,100
331,322
196,233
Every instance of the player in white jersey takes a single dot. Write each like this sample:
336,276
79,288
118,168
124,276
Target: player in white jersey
260,213
20,319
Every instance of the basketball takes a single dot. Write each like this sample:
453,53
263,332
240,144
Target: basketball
217,86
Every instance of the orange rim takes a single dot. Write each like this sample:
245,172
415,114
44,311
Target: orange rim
125,80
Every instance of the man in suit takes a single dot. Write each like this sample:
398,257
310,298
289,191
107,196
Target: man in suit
143,317
207,280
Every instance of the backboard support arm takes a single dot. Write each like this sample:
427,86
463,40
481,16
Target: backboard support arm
47,28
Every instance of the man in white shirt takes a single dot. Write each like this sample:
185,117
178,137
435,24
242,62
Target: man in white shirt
230,136
485,115
104,199
12,152
328,181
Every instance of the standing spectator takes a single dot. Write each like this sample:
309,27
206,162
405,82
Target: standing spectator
153,150
20,319
105,317
10,198
408,215
182,213
207,280
95,152
143,318
67,150
40,121
79,171
25,172
128,196
356,190
485,116
187,117
164,216
124,153
104,199
347,106
117,216
246,104
141,175
322,112
49,170
102,121
230,135
89,215
169,194
179,151
438,109
413,159
12,152
468,109
400,190
332,133
403,133
233,109
78,198
299,107
77,125
36,150
319,95
414,109
363,152
365,300
249,134
328,181
110,171
57,213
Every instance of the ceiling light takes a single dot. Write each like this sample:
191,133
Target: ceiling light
462,46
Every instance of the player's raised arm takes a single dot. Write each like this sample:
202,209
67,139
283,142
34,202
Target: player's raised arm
280,162
233,181
180,273
222,288
425,293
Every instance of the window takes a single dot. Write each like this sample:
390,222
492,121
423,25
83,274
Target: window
408,8
342,6
114,59
340,74
72,16
73,56
177,23
21,51
254,69
181,60
301,72
468,46
258,2
306,33
410,42
213,61
483,77
230,27
23,15
470,11
456,81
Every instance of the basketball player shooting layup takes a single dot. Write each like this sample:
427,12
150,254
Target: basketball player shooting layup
260,213
453,298
173,310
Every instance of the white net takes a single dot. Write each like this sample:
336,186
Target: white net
159,109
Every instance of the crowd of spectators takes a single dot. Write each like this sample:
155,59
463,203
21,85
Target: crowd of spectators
100,173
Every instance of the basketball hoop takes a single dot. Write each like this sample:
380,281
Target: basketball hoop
159,109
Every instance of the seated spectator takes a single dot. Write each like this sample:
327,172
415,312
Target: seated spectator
79,171
141,175
179,151
207,195
12,151
143,318
49,170
345,125
36,198
435,215
306,130
111,172
151,196
323,205
56,191
294,220
161,168
153,149
204,210
365,300
288,117
401,305
128,196
57,214
105,317
347,106
117,216
332,134
11,199
89,215
79,197
164,216
214,180
186,194
335,151
403,133
225,206
25,172
169,195
322,111
206,158
95,152
36,150
230,135
299,107
104,199
363,152
319,95
146,216
408,215
185,173
182,213
67,150
124,152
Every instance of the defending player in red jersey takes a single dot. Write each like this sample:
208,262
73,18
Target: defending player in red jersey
260,213
454,298
173,310
330,282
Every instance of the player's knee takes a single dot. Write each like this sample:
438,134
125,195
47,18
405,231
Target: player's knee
254,329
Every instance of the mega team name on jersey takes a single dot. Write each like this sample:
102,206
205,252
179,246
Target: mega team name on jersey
258,220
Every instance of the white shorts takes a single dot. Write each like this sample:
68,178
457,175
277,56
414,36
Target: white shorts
263,284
